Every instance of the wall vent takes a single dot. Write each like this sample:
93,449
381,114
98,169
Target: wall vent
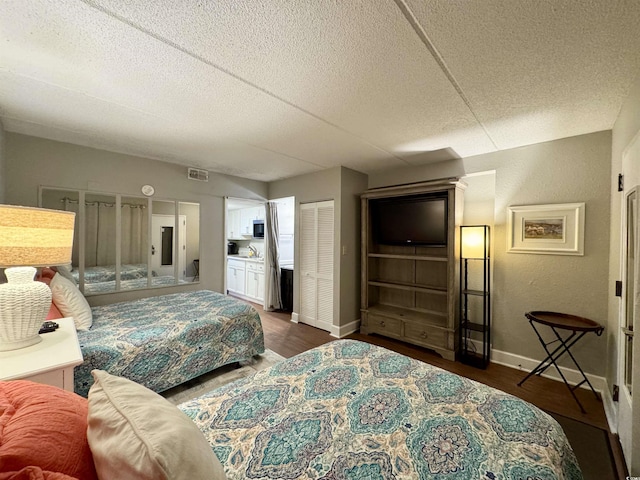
197,174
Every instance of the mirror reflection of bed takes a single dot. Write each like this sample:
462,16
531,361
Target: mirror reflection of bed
125,238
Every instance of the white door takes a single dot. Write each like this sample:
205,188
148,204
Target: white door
628,350
316,264
163,248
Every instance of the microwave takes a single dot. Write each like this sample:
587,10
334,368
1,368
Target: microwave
258,229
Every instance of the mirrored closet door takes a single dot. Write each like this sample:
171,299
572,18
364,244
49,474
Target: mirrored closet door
126,242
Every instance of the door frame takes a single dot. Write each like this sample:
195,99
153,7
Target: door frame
179,242
628,410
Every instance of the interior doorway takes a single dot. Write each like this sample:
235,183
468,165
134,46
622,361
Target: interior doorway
164,251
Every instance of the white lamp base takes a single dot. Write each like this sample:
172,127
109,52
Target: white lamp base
24,305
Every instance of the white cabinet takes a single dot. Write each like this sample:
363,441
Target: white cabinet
247,216
245,278
236,276
246,221
255,280
50,362
234,228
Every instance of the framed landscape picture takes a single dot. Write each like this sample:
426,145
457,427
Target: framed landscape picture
556,229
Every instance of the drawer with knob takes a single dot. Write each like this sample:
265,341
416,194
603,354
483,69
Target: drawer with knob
255,266
384,325
426,334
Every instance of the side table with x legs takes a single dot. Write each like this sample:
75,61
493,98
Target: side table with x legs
578,328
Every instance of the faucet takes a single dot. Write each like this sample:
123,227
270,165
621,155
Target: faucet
254,250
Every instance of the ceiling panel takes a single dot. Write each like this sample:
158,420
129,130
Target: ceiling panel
537,71
357,64
106,80
277,88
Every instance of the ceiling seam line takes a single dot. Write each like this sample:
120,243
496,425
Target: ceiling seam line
424,38
143,112
70,130
55,85
204,60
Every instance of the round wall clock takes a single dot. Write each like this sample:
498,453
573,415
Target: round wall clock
148,190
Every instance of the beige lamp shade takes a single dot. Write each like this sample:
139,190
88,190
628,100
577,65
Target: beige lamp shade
473,242
35,237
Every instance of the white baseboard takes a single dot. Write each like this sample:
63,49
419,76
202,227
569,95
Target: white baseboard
294,317
527,364
573,377
344,330
610,410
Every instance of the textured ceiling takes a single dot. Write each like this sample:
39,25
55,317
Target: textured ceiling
273,89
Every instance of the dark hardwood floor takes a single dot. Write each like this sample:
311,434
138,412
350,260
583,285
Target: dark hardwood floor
288,339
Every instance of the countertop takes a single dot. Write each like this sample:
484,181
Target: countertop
246,258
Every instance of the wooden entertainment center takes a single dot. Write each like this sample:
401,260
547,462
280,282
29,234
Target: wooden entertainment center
410,292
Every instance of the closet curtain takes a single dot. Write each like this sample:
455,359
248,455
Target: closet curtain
272,296
100,241
70,205
134,225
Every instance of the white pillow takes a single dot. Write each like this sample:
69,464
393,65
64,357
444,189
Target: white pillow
65,271
135,434
71,302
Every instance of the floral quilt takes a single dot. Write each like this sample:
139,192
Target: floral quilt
134,283
107,273
163,341
351,410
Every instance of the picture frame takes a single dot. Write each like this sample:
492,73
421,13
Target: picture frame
554,229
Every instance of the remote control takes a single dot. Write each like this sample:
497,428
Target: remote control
49,324
47,329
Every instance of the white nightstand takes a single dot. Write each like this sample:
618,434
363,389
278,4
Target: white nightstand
51,361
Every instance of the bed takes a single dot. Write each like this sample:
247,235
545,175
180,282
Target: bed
109,286
163,341
353,410
345,410
106,273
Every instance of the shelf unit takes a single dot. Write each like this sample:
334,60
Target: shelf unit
475,303
411,292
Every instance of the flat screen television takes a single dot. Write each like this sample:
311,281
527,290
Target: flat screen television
414,220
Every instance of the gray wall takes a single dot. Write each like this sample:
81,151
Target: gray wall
313,187
568,170
343,186
32,161
2,164
352,185
576,169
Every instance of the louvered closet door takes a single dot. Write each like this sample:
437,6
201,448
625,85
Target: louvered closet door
316,264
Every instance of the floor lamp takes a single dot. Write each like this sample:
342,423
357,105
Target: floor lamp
29,237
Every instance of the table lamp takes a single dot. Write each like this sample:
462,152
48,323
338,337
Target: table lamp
29,237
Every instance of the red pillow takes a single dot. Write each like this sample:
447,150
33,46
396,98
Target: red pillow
34,473
46,427
45,277
54,312
46,272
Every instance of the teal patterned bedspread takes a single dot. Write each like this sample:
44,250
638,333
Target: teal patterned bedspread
132,284
163,341
351,410
107,273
